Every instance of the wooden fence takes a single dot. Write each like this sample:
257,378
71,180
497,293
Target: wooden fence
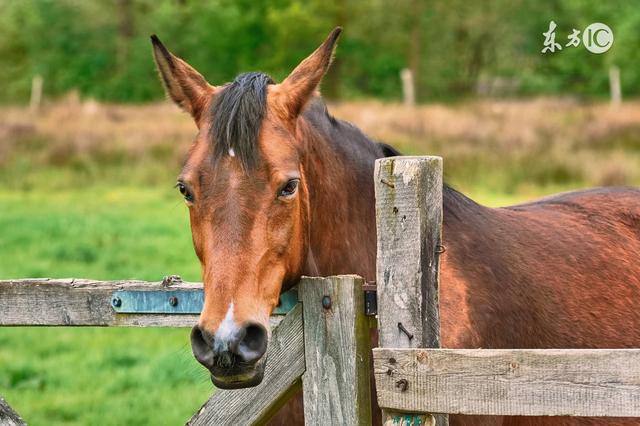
322,343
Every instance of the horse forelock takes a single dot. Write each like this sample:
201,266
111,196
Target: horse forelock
237,114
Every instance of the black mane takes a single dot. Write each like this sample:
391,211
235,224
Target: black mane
237,116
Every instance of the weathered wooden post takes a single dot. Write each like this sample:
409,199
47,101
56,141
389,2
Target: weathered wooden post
36,94
336,347
8,417
408,87
614,85
409,223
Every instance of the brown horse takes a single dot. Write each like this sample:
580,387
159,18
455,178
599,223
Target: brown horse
278,188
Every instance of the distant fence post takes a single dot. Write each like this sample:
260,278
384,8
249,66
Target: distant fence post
8,417
408,87
336,347
614,85
409,227
36,93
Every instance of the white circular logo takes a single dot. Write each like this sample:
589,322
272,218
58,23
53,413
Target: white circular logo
597,38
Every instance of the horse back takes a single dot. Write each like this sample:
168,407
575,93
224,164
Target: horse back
561,272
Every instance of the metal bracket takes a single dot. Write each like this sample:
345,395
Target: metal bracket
370,298
178,301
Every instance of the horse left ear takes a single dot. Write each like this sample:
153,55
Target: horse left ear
184,85
300,85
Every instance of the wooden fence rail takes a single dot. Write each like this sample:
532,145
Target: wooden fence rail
81,302
336,338
522,382
410,379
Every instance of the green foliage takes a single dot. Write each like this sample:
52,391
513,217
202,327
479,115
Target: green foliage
102,49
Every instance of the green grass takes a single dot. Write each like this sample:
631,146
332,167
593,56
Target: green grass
91,376
102,376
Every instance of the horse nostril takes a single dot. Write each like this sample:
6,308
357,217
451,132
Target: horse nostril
254,342
201,348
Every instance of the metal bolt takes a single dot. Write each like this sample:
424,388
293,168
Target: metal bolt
173,301
326,302
116,302
403,384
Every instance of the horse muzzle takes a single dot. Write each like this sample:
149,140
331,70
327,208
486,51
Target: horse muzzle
236,361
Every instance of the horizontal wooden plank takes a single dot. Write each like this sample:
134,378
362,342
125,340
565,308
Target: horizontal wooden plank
84,302
285,366
80,302
529,382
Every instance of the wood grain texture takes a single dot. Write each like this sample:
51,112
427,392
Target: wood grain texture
285,366
8,417
336,382
80,302
409,223
409,228
528,382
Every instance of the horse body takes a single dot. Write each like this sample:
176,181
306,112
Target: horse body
561,272
277,189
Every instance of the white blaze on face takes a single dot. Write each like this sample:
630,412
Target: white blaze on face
226,331
232,153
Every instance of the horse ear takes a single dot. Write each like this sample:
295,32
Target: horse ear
300,85
186,87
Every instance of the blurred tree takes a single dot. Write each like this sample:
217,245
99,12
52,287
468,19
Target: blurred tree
102,50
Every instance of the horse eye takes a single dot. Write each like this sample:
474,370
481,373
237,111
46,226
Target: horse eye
184,191
289,189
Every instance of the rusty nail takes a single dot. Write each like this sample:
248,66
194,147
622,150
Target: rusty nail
386,182
405,331
326,302
173,301
440,249
171,279
116,302
403,384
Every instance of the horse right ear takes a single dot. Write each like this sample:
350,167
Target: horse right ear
184,85
300,85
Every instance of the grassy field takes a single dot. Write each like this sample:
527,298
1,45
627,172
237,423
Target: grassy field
90,376
87,192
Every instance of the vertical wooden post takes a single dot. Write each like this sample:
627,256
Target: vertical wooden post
8,417
336,346
409,227
36,93
614,85
408,87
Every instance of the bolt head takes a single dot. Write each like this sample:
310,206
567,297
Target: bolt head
173,301
116,302
326,302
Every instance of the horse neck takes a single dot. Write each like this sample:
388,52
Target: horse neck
339,163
